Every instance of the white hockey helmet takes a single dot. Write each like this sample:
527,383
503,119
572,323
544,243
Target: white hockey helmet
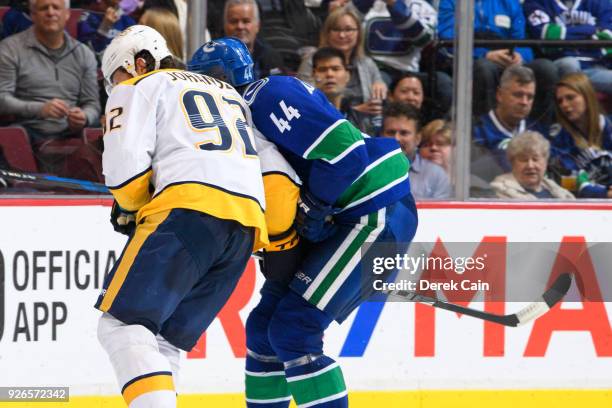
121,51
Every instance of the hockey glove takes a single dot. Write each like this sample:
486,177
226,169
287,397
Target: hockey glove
313,219
123,221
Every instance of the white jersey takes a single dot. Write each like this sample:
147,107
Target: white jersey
190,138
282,187
272,162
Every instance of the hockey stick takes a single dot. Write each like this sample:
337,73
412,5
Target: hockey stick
532,311
54,181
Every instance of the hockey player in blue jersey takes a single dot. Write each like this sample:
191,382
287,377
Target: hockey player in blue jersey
355,189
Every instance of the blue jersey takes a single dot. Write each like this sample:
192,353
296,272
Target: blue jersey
491,134
15,21
565,154
336,162
493,19
585,20
89,30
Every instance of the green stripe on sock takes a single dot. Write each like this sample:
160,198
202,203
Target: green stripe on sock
264,388
391,169
336,142
321,386
344,258
553,32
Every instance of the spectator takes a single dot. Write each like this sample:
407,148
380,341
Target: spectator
366,88
395,33
408,88
575,20
528,153
495,19
582,139
97,30
290,28
494,130
17,18
167,24
241,20
331,76
436,144
48,80
427,179
176,7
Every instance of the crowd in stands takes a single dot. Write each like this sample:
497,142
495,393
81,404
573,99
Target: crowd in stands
539,126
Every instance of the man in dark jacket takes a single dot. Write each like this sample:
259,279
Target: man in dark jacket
241,20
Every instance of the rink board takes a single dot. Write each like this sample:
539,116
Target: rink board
54,254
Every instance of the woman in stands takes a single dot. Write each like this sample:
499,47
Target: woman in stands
582,138
436,143
528,154
167,24
366,89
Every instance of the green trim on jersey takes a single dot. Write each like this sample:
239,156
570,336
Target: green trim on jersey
336,142
425,37
383,172
336,269
553,32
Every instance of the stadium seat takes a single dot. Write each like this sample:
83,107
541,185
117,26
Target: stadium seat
16,148
73,21
92,135
3,11
63,147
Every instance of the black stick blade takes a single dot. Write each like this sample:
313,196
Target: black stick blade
558,289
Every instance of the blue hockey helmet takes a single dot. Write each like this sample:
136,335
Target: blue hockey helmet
225,58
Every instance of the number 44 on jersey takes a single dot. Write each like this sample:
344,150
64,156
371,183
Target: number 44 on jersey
290,113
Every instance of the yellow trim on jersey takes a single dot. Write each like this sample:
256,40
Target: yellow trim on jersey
148,384
143,231
281,202
213,201
136,79
135,194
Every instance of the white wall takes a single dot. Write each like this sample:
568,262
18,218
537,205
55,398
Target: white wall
443,352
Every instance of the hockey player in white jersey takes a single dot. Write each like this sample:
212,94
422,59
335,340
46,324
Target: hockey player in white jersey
179,154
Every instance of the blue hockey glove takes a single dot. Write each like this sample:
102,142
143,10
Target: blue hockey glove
123,221
313,219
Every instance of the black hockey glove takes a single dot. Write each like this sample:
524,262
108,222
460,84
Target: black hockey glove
123,221
313,220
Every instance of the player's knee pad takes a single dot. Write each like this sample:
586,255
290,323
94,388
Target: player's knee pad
115,335
257,324
296,328
140,367
259,318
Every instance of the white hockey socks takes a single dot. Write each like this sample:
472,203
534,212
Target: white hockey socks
143,372
172,353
